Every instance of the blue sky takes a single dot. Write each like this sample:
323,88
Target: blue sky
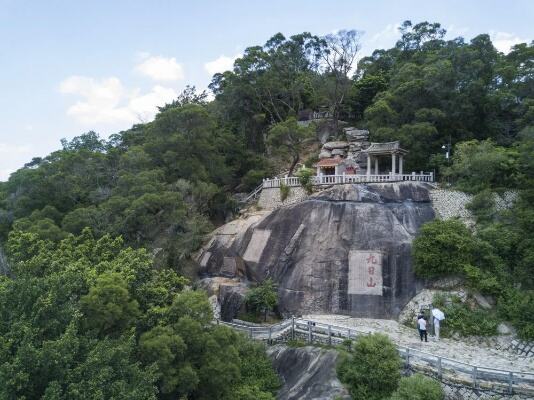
73,66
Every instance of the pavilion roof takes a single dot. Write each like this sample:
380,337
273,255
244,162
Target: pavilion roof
385,148
329,162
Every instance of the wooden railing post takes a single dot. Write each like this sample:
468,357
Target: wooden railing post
440,375
475,377
408,356
250,332
329,335
270,327
293,328
309,332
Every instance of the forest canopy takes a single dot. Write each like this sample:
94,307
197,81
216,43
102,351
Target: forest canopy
97,238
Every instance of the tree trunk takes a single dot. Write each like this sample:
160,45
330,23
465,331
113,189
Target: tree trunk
293,164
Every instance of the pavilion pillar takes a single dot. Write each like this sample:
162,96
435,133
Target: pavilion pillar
368,164
393,166
400,163
376,165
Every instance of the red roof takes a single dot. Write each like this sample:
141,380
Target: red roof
329,162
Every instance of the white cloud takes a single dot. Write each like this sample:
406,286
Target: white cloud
160,68
503,41
221,64
6,148
107,101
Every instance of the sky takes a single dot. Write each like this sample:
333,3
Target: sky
68,67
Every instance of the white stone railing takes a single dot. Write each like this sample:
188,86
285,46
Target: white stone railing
346,178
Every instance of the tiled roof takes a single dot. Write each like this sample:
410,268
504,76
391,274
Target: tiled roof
387,147
329,162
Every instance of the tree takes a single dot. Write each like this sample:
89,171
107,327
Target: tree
287,139
262,298
372,369
443,248
108,307
338,57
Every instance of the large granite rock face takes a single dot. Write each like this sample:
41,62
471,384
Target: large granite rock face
344,250
307,373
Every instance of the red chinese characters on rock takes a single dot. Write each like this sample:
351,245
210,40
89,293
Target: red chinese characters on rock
371,269
365,272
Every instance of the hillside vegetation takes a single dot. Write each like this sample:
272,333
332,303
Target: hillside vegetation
99,233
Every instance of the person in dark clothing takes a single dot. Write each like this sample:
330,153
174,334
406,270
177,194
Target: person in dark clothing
421,325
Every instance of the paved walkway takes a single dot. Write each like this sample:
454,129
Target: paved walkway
449,348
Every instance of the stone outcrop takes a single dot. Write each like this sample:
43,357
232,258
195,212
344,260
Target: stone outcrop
307,373
314,249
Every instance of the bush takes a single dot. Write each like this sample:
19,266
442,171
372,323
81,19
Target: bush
463,320
516,306
284,191
262,299
305,176
482,206
418,387
443,248
372,369
253,178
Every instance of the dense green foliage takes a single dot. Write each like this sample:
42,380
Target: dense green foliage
262,299
418,387
371,370
442,248
102,313
497,257
91,319
465,319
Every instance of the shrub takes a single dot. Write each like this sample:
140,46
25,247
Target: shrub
464,320
284,191
482,206
305,178
418,387
516,306
443,248
372,369
263,298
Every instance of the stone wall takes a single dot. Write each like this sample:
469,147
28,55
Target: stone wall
270,198
451,204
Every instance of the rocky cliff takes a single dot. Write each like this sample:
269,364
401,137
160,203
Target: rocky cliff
343,250
307,373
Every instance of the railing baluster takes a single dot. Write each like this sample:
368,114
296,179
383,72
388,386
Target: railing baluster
511,383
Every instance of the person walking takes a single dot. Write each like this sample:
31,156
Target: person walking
437,317
421,324
436,328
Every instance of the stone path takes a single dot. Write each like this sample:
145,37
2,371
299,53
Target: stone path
454,349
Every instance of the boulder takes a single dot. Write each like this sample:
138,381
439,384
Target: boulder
344,250
325,154
482,301
307,373
335,145
354,134
339,152
504,329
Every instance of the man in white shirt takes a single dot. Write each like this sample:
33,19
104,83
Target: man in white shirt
421,324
